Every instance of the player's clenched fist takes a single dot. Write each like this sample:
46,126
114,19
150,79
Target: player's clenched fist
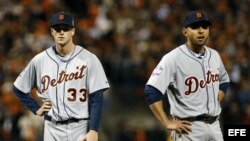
44,108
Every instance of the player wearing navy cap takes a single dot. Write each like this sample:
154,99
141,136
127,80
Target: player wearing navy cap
70,80
195,81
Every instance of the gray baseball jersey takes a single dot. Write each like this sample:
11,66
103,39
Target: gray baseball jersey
65,81
192,84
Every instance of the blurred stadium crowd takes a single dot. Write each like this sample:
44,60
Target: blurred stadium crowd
129,37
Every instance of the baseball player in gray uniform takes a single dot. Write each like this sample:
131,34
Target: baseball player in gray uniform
195,81
70,80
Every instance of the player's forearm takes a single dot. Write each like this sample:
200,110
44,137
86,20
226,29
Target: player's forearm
154,98
158,111
26,100
95,105
221,96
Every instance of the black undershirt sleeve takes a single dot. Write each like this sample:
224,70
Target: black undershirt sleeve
95,109
152,94
26,99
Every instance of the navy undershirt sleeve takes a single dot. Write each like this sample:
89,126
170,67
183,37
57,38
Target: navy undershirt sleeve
224,87
152,94
95,109
26,99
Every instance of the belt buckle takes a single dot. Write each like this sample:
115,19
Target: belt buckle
192,119
209,119
72,120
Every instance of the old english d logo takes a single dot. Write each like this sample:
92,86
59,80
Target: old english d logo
198,15
61,17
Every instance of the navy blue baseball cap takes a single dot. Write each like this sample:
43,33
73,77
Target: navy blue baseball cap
62,18
196,16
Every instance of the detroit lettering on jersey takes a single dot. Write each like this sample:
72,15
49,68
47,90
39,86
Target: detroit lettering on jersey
194,83
46,80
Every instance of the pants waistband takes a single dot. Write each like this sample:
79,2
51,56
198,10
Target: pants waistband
71,120
205,118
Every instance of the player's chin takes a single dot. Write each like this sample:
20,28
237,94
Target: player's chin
61,43
200,42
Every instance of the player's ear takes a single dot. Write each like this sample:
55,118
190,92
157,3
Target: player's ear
73,32
51,31
184,31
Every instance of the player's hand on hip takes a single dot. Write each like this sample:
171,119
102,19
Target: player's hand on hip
90,136
221,96
44,108
180,126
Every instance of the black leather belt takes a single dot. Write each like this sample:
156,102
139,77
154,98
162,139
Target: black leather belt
205,118
71,120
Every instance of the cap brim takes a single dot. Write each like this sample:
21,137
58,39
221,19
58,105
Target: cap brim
64,23
197,21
